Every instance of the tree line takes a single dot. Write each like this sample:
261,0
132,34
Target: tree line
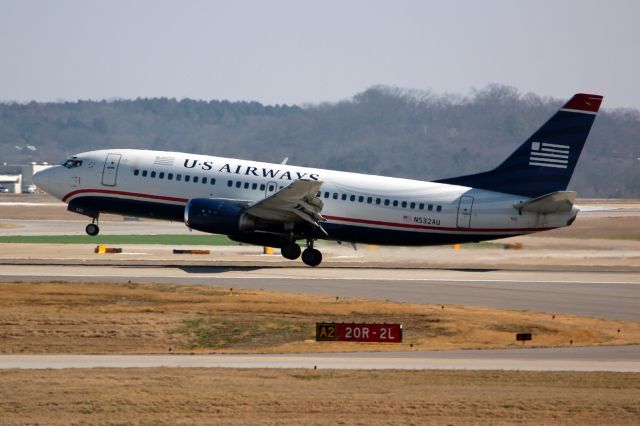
383,130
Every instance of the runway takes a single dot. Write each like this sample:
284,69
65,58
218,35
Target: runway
610,295
609,358
76,227
561,276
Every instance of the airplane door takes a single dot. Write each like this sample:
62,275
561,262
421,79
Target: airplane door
110,171
272,188
464,212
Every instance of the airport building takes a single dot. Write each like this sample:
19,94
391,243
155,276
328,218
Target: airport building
18,178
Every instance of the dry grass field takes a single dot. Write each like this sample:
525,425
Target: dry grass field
147,318
283,397
142,318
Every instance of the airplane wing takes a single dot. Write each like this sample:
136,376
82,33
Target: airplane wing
294,203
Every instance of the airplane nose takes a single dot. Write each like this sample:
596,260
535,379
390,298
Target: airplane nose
40,178
46,180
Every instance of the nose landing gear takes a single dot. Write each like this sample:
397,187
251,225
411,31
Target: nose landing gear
92,229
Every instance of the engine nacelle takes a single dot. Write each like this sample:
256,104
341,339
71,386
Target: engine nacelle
217,216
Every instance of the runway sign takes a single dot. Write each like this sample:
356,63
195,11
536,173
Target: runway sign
358,332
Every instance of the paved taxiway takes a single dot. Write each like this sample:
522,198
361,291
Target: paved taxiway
611,295
594,277
610,358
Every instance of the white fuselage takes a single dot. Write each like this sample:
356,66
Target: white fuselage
357,207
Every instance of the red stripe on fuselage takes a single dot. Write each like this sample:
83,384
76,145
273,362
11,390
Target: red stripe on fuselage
337,218
128,194
435,228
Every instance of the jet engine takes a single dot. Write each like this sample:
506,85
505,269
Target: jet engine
217,216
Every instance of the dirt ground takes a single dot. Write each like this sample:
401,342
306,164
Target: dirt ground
146,318
228,396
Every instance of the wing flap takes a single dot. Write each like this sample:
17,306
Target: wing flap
294,203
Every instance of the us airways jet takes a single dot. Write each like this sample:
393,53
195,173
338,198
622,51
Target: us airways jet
278,205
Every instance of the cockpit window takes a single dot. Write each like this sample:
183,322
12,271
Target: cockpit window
71,163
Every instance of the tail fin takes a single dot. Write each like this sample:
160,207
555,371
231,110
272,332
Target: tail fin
545,162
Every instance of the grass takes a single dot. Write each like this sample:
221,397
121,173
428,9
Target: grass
208,240
148,318
215,332
256,396
482,245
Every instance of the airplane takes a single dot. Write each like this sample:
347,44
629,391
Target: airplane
278,205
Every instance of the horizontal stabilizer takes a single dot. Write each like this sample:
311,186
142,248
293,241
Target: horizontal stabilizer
556,202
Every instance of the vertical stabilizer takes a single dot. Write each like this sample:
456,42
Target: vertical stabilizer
545,162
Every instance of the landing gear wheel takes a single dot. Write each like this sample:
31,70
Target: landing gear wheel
92,229
311,257
291,251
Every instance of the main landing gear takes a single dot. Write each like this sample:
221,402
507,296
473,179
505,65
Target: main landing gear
291,251
93,229
310,256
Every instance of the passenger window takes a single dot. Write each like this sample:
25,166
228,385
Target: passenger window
238,184
412,206
395,203
153,174
195,179
335,195
204,180
161,175
246,185
170,176
178,177
421,206
378,201
430,207
229,183
326,195
404,204
212,181
136,172
361,199
439,208
344,197
187,178
254,186
144,173
387,202
352,198
262,187
369,200
271,188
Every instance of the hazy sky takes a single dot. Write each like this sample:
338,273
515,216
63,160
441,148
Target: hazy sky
313,51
